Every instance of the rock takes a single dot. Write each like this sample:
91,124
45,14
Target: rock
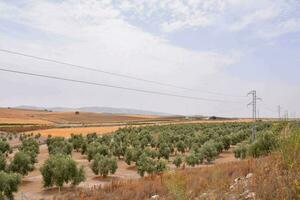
155,197
245,193
232,187
249,175
251,195
237,179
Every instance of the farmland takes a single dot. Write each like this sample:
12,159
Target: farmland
101,155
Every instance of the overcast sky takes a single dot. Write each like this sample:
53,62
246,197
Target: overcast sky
220,46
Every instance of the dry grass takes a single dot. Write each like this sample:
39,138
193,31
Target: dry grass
269,182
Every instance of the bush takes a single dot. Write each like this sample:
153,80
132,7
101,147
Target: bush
240,151
192,159
177,161
264,144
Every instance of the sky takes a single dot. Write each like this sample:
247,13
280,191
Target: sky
214,49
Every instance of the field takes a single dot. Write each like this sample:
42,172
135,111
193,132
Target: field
23,116
119,148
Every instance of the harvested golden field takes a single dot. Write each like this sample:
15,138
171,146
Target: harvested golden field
23,116
66,132
23,121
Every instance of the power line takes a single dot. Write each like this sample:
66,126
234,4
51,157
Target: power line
113,86
114,74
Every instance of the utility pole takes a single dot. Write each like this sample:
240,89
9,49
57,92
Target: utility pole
253,103
279,112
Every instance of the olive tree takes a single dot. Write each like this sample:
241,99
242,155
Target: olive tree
150,165
59,169
78,142
209,150
4,147
177,161
2,162
104,165
21,163
192,159
96,148
164,151
9,183
132,155
31,148
58,145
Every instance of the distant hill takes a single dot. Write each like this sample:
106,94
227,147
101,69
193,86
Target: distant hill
96,109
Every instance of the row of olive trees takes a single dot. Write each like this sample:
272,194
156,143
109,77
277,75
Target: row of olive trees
22,162
151,148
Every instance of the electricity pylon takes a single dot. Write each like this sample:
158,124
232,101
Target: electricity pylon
254,112
279,112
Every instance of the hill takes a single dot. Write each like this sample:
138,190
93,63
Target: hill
95,109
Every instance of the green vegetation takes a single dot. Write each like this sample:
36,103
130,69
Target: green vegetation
9,183
58,145
21,163
267,140
59,169
104,165
152,147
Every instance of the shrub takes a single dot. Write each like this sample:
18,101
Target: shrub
177,161
264,144
192,159
240,151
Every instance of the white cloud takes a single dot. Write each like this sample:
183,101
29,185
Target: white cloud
258,16
228,15
288,26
